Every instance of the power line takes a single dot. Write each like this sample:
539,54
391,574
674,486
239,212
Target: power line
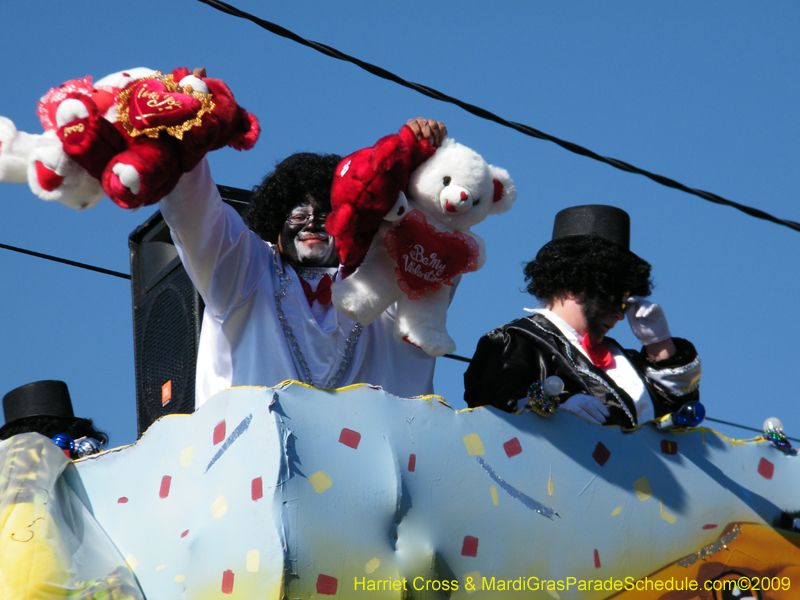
485,114
66,261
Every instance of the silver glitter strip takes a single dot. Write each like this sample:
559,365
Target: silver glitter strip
313,274
516,494
587,372
714,547
349,348
677,370
350,345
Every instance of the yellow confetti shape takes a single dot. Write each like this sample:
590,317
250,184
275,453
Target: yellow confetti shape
554,594
643,489
219,508
131,560
666,516
180,578
187,455
34,456
550,486
252,561
161,567
493,492
474,444
320,481
616,511
477,582
372,565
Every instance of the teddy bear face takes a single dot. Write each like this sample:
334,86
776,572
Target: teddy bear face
458,188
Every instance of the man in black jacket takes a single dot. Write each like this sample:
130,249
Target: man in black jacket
588,280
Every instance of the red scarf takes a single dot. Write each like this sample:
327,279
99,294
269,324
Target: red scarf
598,352
323,293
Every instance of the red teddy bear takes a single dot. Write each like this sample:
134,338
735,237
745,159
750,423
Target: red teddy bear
161,127
368,189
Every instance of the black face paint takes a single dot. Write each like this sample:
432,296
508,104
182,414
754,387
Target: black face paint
596,311
303,241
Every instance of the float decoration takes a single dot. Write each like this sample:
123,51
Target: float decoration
304,493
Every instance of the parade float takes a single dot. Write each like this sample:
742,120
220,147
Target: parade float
297,492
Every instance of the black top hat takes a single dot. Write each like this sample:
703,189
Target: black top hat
49,398
608,222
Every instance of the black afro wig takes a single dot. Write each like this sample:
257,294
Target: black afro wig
587,264
291,183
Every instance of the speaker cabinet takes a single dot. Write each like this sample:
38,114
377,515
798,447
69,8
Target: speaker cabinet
167,315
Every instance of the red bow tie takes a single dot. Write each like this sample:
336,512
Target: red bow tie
323,293
598,352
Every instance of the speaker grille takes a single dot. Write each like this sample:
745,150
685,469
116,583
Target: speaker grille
166,333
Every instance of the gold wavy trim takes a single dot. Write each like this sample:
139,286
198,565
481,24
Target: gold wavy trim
176,131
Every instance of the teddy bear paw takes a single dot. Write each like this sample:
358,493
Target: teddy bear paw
355,302
433,342
70,110
128,178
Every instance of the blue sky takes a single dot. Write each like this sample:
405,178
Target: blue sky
707,93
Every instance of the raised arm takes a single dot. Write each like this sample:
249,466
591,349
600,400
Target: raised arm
223,258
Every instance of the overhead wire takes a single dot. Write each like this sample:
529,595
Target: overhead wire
485,114
66,261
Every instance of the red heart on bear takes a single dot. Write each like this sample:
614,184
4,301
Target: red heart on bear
427,258
152,105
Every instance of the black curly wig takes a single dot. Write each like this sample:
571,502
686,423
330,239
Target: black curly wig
587,264
51,426
294,179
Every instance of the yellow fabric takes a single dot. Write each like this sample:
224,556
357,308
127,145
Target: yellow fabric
50,545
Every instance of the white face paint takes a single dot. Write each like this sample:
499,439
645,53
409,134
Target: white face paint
303,240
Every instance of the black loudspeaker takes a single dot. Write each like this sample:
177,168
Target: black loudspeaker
167,314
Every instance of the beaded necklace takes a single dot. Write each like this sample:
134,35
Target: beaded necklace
352,338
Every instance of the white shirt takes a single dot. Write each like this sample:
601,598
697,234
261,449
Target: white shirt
258,328
622,373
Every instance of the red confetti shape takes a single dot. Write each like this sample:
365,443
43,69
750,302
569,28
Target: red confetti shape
351,438
512,447
185,533
219,432
710,526
257,489
596,559
412,462
766,468
122,500
227,582
327,585
601,454
165,482
470,546
668,447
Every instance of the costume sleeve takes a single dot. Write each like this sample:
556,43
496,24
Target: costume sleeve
678,377
223,258
502,369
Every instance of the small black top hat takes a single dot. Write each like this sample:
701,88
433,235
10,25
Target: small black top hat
49,398
608,222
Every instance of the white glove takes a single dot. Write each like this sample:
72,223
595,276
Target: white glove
647,320
587,407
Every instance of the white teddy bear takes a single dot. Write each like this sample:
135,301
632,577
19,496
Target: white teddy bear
414,260
40,160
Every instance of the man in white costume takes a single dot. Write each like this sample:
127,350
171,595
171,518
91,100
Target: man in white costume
265,283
